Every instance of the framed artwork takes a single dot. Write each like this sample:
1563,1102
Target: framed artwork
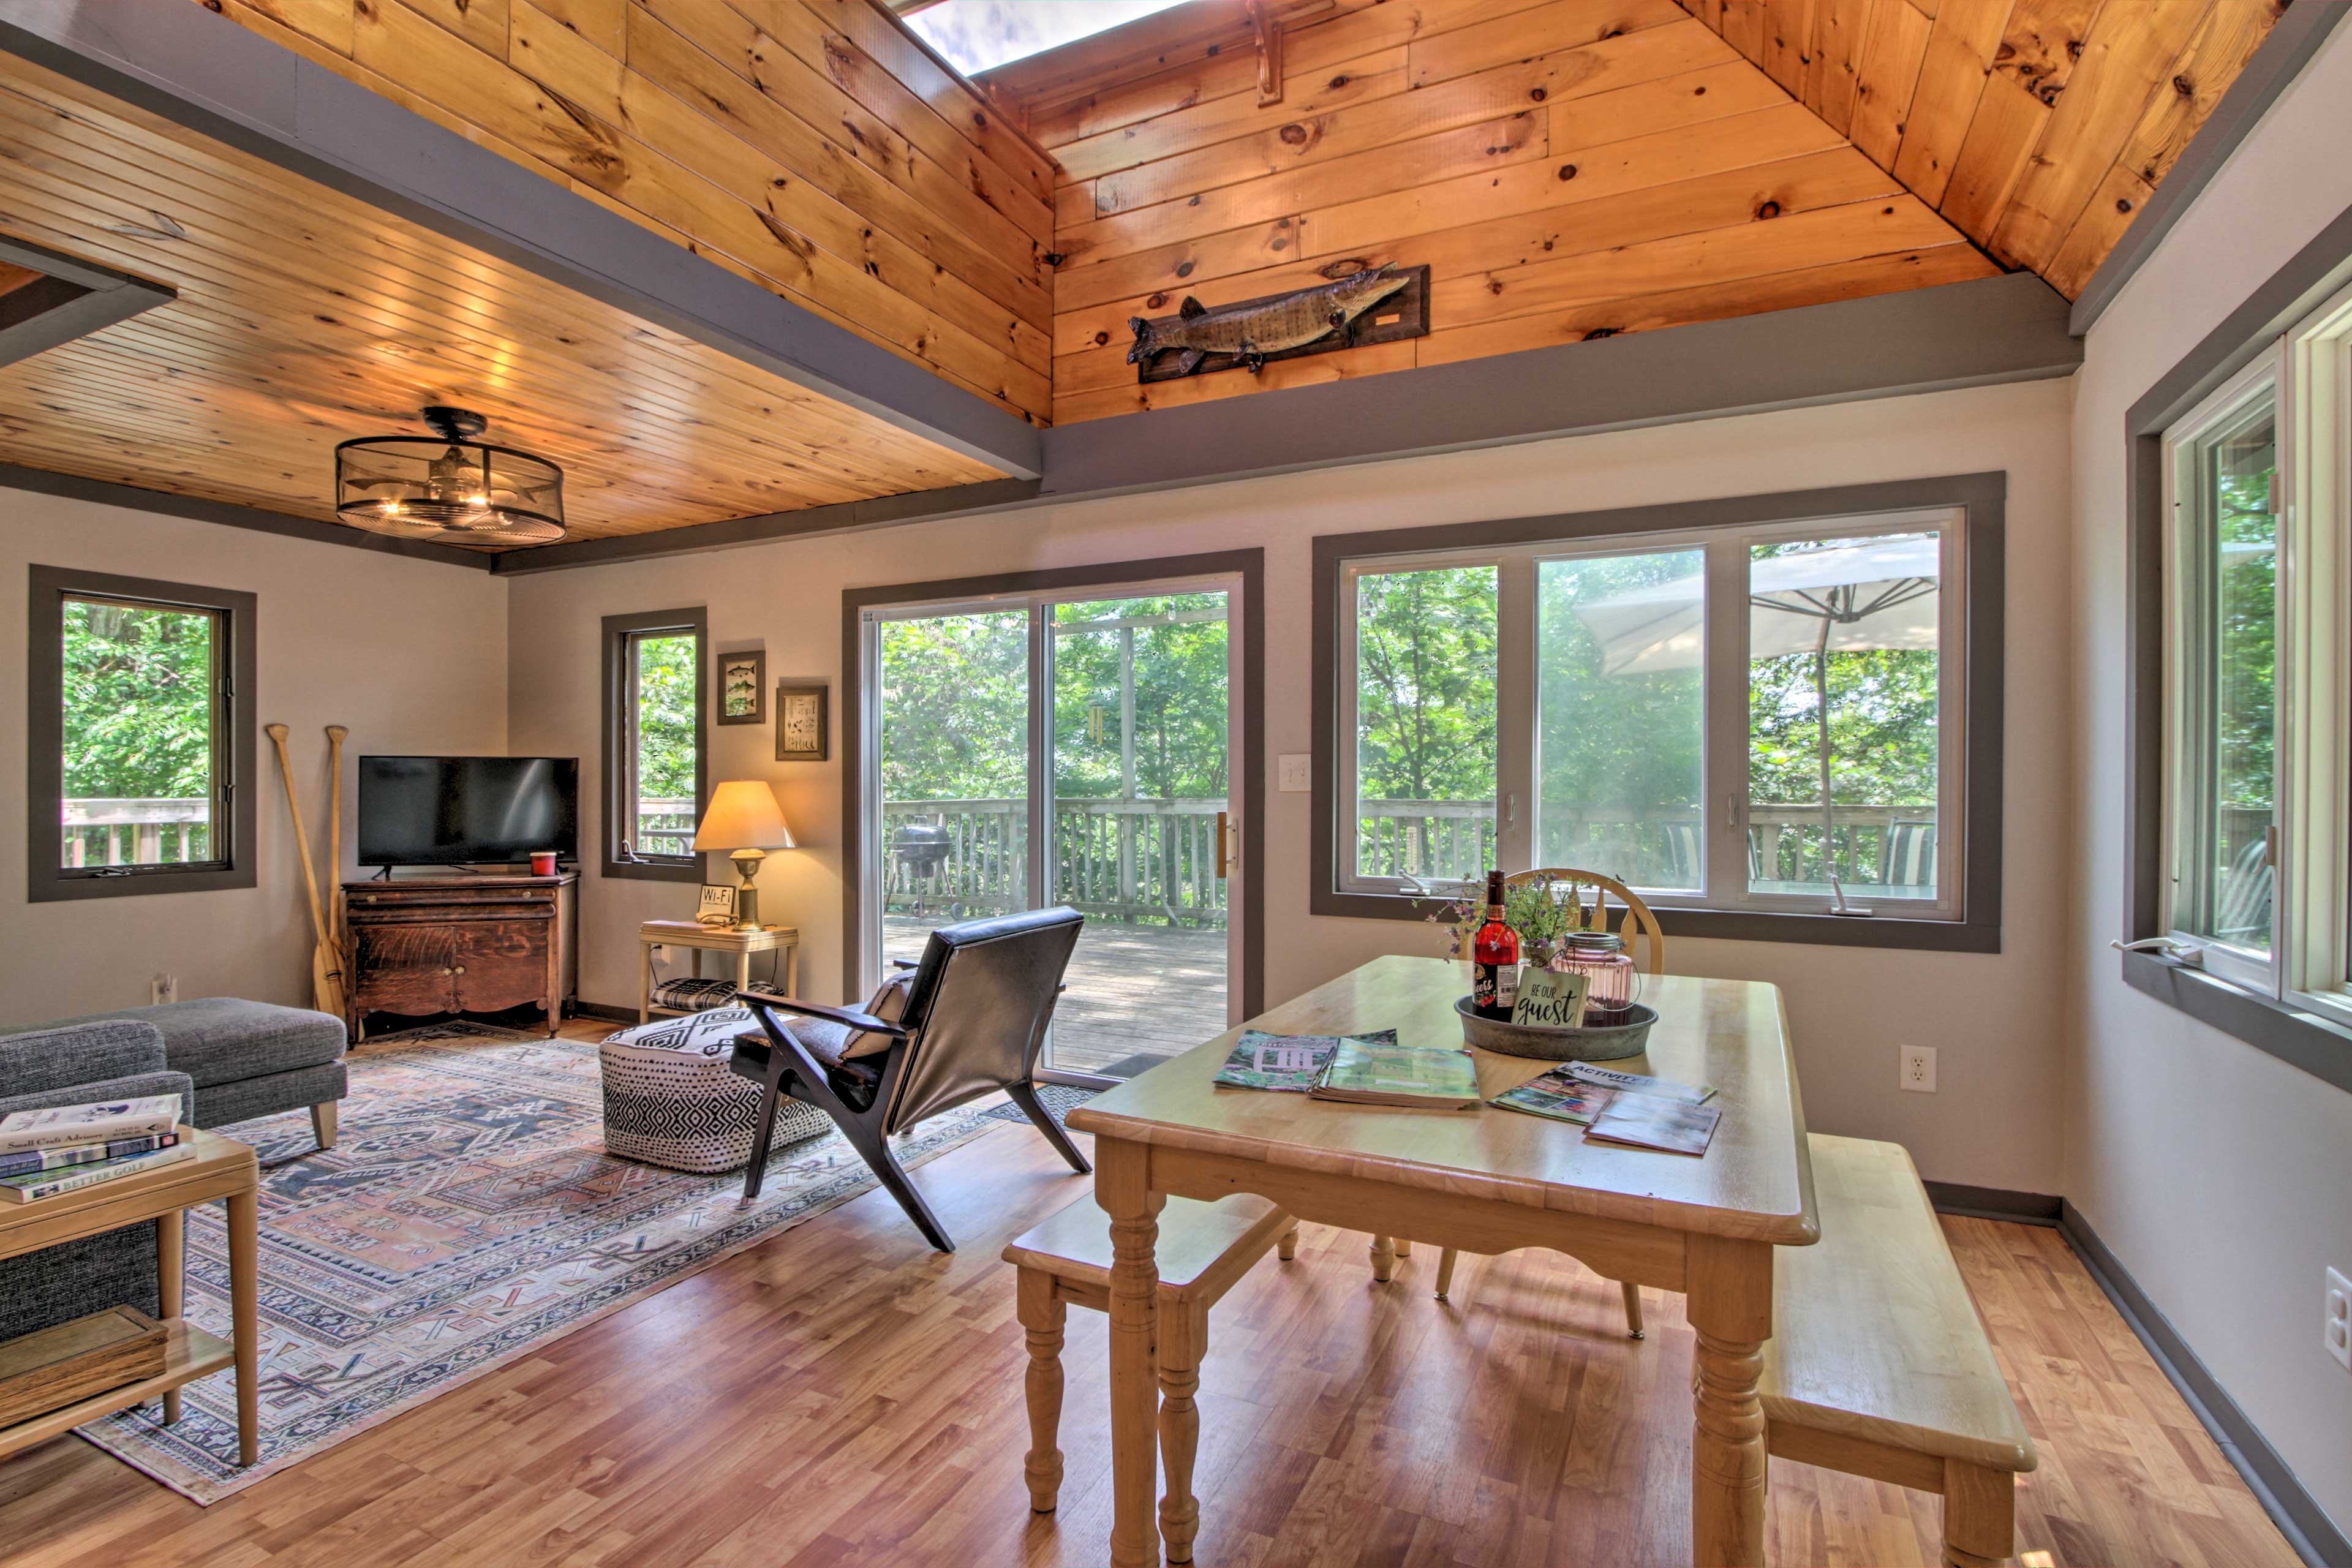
801,723
718,906
742,688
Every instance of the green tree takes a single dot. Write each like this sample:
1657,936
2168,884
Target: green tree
666,753
138,703
1425,684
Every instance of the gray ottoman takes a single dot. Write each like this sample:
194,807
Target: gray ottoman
670,1100
248,1058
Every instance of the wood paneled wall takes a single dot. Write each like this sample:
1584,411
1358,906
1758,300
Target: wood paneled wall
1568,169
812,145
2038,127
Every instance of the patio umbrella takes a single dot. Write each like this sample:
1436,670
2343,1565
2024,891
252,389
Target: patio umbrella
1879,594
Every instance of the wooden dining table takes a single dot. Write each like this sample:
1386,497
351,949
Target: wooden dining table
1485,1181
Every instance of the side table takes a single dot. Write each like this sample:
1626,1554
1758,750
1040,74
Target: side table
222,1169
701,938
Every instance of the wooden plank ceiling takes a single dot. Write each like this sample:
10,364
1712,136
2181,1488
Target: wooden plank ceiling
814,146
1579,168
305,317
2038,127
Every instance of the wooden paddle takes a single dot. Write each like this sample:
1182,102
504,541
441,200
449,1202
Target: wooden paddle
326,960
335,734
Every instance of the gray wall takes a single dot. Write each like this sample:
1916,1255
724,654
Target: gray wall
1996,1018
411,656
2217,1173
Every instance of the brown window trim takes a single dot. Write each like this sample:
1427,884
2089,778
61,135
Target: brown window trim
233,763
1982,495
616,819
2317,1046
1249,744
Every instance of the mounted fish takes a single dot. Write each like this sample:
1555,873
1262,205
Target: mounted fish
1253,332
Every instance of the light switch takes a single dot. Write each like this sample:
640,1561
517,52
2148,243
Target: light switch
1297,773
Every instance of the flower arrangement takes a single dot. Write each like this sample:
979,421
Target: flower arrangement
1535,910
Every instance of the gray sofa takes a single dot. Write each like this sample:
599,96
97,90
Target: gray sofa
74,1064
228,1062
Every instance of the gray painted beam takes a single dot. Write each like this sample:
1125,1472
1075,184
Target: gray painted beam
2293,41
205,73
1928,340
2004,329
228,514
918,506
72,300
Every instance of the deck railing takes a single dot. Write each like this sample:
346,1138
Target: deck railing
1135,860
1453,841
122,831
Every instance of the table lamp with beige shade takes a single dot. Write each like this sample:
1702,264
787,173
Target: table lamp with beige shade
744,820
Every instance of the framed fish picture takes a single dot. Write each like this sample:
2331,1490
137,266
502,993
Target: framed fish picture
803,727
742,688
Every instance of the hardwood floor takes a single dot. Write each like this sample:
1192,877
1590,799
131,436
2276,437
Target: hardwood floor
843,1395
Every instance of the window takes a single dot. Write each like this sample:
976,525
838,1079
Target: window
2257,612
656,711
140,750
1756,712
977,35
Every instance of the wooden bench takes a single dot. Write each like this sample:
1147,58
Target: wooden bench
1878,1366
1203,1249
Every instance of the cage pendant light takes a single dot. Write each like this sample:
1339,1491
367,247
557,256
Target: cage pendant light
448,488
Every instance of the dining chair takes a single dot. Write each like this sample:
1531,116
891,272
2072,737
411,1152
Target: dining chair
1640,925
967,1021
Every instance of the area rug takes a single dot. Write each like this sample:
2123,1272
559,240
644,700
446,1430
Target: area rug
1058,1098
466,1216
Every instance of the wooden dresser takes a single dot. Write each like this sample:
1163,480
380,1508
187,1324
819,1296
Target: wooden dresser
425,946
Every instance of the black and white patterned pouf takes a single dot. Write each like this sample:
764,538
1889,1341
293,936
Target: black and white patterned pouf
670,1098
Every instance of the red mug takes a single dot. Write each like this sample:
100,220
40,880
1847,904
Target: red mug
543,862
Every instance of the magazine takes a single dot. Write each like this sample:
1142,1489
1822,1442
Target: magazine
1557,1096
1646,1121
35,1184
1289,1064
61,1125
1363,1072
80,1154
1637,1083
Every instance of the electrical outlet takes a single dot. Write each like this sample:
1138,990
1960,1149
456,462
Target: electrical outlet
164,988
2338,1329
1918,1069
1298,773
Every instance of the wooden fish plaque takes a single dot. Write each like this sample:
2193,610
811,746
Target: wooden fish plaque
1165,346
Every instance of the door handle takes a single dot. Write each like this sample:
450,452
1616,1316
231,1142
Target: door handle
1225,845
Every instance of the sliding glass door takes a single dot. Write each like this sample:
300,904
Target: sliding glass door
1074,749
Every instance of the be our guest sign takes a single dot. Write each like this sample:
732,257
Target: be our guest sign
1550,998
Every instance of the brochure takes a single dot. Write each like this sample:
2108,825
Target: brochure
1646,1121
1365,1072
1289,1064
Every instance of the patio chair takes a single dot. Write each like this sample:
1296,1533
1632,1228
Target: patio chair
1640,927
967,1021
2242,905
1908,858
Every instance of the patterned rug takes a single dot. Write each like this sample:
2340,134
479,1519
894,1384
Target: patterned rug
1059,1100
468,1214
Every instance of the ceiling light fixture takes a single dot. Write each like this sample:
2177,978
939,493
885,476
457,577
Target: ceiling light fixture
447,488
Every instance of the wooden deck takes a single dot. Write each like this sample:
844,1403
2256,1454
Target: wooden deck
1135,991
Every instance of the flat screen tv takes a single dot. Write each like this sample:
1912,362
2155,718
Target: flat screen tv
457,811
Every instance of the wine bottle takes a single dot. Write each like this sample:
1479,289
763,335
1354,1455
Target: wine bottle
1495,958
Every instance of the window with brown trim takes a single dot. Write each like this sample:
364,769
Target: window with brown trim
1775,717
656,741
141,743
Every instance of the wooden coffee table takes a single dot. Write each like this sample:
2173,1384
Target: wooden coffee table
222,1169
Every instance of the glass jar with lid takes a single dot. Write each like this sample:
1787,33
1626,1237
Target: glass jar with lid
1614,985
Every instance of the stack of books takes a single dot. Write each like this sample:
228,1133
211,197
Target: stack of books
68,1147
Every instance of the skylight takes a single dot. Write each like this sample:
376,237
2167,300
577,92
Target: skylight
981,35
